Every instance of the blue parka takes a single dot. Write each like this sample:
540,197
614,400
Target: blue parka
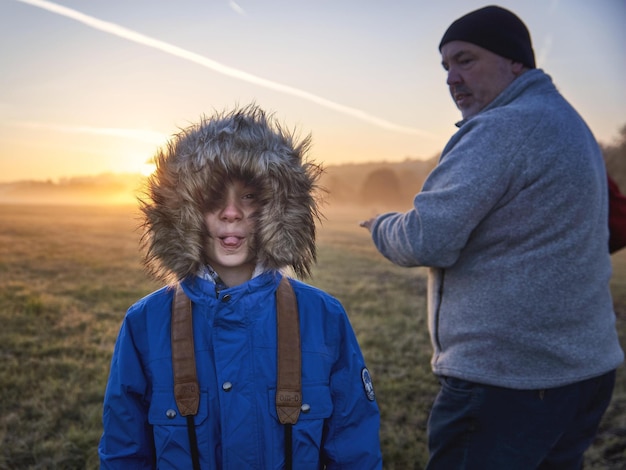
235,347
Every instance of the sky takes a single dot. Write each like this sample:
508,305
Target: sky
91,87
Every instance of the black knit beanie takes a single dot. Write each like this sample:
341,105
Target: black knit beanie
495,29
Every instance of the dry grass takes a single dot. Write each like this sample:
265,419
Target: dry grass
67,276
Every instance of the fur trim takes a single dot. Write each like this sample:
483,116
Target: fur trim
191,172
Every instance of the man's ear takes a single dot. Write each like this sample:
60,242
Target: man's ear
518,68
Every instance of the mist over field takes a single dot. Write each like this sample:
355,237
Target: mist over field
376,185
371,184
104,189
70,266
68,274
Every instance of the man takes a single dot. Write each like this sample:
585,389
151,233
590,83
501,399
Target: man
230,206
513,225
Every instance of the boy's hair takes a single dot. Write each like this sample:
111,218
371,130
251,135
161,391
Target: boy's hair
193,167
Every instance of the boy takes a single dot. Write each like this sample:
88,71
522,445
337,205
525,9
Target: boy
229,206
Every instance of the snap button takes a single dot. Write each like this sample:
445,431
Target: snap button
226,298
305,408
227,386
171,414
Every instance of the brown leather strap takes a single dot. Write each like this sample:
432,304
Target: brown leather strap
186,388
289,386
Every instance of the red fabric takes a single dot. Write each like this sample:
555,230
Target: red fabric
617,217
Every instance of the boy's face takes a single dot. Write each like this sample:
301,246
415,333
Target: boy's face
230,224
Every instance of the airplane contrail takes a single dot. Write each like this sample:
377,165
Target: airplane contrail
139,38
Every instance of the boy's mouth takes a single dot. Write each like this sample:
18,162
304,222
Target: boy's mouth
231,241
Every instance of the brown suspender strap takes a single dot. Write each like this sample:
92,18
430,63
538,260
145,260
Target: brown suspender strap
289,386
186,388
289,382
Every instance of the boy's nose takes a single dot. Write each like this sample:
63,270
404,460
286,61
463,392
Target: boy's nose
231,210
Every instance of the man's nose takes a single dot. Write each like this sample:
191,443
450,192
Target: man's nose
454,77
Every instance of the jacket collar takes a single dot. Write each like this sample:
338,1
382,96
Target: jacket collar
529,79
200,289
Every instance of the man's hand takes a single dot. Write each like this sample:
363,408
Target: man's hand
367,223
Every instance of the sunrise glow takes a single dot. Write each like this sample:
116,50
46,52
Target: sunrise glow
97,88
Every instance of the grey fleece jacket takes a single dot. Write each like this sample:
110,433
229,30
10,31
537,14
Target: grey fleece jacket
513,225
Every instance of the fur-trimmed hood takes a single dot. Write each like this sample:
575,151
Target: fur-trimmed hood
191,172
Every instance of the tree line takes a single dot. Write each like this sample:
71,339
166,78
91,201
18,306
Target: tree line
392,185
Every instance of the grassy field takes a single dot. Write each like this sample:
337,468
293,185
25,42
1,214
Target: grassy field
67,276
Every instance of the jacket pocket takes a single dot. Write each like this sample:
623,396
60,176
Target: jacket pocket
169,427
317,407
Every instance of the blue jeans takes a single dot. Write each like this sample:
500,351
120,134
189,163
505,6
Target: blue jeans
475,426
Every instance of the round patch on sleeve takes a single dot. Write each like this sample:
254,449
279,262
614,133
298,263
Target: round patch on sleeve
368,386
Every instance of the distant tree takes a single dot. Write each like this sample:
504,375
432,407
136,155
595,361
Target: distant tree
382,187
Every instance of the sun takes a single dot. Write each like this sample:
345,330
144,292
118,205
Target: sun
147,168
135,161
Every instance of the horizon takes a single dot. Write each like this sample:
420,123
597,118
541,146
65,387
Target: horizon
79,178
125,188
97,87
